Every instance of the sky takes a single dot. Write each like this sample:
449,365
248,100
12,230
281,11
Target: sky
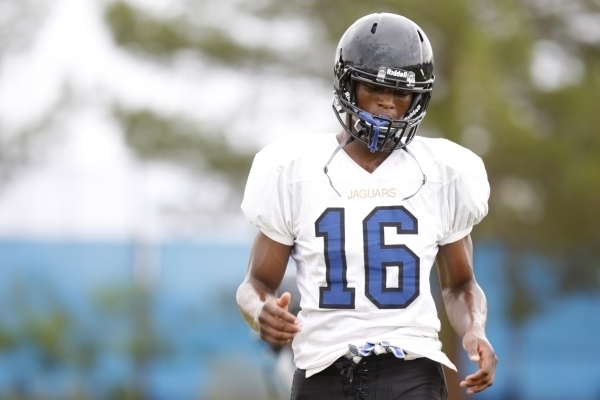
83,182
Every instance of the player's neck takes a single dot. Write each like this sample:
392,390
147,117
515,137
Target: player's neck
361,154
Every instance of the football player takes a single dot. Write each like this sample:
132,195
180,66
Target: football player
365,213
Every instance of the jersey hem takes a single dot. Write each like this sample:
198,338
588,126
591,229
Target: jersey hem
279,238
453,237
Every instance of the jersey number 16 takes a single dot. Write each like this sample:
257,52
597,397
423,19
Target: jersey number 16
379,258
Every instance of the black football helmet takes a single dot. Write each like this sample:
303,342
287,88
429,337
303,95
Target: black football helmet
385,50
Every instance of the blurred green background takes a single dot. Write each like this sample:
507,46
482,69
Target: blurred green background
127,129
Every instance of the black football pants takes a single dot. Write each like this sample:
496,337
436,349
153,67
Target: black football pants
382,377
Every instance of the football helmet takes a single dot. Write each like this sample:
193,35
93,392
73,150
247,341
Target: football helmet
385,50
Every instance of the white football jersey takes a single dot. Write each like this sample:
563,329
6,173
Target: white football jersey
363,257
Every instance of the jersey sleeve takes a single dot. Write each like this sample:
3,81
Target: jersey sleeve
467,199
267,200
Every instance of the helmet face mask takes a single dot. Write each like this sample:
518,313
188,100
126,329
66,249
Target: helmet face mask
390,51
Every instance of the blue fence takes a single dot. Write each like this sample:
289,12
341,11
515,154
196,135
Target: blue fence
72,321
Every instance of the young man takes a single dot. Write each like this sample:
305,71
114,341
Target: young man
364,226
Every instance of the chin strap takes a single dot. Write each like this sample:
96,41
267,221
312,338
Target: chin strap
326,170
350,139
423,178
376,123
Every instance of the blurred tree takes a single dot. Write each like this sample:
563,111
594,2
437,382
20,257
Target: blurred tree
45,339
25,145
149,35
517,82
18,23
177,140
164,38
174,138
18,26
140,341
37,326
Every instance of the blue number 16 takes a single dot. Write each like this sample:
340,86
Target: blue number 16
379,257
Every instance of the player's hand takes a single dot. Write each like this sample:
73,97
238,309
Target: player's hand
275,324
480,351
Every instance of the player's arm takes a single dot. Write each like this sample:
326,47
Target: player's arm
257,295
466,307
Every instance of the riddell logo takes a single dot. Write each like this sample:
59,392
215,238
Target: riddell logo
414,112
398,73
384,72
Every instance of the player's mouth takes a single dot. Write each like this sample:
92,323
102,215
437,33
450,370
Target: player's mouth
383,116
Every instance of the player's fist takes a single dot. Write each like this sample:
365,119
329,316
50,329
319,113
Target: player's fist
275,324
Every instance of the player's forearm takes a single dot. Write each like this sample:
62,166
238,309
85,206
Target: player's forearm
268,260
466,307
250,298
